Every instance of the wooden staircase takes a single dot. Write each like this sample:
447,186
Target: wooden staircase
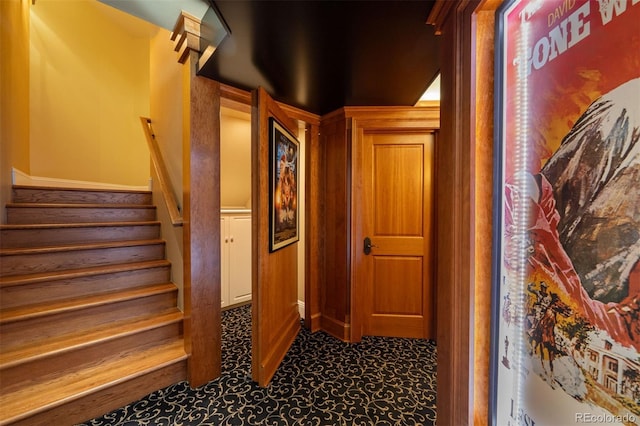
88,315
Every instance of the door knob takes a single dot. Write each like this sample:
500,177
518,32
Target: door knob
368,246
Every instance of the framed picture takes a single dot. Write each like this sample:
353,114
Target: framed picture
566,270
284,177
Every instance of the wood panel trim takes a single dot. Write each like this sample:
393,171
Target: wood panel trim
285,337
482,93
314,241
455,220
338,329
240,99
201,182
313,322
335,153
441,13
234,98
427,117
358,311
299,114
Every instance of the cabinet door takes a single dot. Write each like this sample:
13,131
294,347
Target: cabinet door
224,260
239,259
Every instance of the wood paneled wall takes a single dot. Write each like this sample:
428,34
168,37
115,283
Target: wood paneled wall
335,144
454,222
314,271
275,317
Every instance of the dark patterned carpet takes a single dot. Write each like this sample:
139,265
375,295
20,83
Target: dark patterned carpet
322,381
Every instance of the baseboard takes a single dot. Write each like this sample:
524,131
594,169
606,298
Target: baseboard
336,328
23,179
314,323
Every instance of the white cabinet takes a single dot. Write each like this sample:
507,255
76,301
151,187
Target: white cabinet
235,230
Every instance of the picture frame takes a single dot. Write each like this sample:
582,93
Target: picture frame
565,260
284,186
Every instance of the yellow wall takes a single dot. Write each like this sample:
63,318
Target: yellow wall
89,86
166,83
14,93
235,159
166,107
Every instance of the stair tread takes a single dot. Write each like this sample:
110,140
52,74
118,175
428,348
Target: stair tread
13,280
82,205
74,247
52,393
78,189
61,344
78,225
40,310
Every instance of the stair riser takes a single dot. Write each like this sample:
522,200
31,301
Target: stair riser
68,362
18,333
14,238
38,215
105,400
64,196
52,291
57,261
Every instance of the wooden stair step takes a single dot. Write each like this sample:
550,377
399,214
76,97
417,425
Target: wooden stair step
57,356
31,260
34,213
67,343
34,235
18,326
54,393
35,311
89,319
43,194
22,290
16,280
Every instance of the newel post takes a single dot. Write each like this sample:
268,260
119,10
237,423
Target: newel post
201,211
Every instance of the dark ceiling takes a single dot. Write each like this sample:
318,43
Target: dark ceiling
323,55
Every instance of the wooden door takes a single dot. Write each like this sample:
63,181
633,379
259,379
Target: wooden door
275,316
393,223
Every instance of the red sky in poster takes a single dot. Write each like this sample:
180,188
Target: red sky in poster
561,89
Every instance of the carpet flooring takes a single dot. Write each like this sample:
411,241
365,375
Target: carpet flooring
322,381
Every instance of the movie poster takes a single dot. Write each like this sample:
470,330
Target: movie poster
284,187
567,326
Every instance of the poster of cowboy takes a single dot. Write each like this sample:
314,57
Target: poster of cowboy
566,327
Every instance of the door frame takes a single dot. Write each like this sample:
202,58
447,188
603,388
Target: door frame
241,100
364,212
361,119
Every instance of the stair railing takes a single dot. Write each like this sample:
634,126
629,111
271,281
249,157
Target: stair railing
163,175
